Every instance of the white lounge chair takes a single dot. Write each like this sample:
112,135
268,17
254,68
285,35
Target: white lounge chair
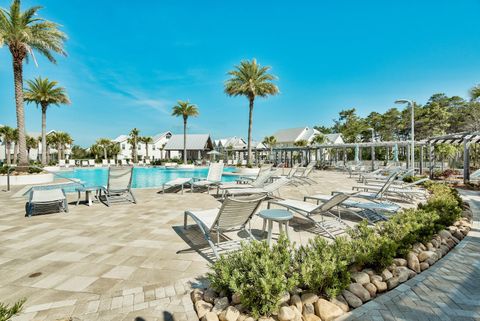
91,162
332,227
119,186
175,183
61,163
267,190
105,162
47,201
84,163
234,214
71,163
111,162
147,162
140,163
260,181
214,177
303,177
406,191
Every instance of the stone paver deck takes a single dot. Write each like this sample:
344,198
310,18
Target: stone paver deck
119,262
449,290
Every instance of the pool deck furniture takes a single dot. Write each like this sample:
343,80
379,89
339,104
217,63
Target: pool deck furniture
406,191
105,162
268,190
71,163
88,193
61,163
303,176
119,186
214,178
176,182
111,162
282,217
259,182
47,201
91,162
233,215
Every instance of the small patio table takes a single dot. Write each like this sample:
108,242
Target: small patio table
88,193
275,215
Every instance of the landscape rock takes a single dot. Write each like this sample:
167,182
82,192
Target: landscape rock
196,295
392,283
309,298
371,288
326,310
286,314
456,240
209,296
400,262
308,309
430,246
266,319
391,267
412,262
352,299
235,298
425,255
340,302
202,308
375,277
369,271
311,317
242,317
386,274
220,305
298,314
402,273
231,314
210,316
360,277
444,234
359,291
450,243
297,301
444,249
424,266
435,243
381,286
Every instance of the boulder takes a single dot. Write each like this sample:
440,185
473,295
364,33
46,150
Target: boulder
196,295
308,309
235,298
424,266
391,267
326,310
249,319
210,316
359,291
412,262
266,319
450,243
360,277
202,308
311,317
381,286
231,314
369,271
371,288
435,243
430,246
286,314
220,305
386,274
242,317
444,249
340,302
352,299
455,240
375,277
392,283
425,255
400,262
209,296
309,298
402,273
444,234
419,246
298,314
296,301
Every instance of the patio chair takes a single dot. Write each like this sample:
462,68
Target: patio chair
91,162
214,177
177,182
406,191
147,162
61,163
104,162
84,163
140,163
233,215
303,177
267,190
261,171
47,201
332,227
111,162
119,186
260,181
70,163
290,173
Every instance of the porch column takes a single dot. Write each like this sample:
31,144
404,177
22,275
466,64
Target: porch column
421,160
466,161
408,159
431,159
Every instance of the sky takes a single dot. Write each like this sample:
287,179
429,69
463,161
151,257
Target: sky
130,61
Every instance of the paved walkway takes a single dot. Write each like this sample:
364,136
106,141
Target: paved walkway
450,290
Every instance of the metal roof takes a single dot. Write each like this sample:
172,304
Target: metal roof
194,142
289,134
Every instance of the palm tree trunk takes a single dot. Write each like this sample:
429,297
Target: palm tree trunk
105,153
146,150
47,148
15,153
8,146
44,134
250,120
58,151
22,146
185,140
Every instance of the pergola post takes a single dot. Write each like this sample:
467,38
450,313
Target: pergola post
373,157
408,159
344,156
431,159
421,160
466,161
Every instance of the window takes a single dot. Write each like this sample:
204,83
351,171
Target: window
123,146
139,147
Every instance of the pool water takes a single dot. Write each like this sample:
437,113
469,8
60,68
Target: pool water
143,177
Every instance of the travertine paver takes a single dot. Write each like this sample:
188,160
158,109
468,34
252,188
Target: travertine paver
119,262
449,290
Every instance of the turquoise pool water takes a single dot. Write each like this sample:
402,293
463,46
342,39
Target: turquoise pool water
143,177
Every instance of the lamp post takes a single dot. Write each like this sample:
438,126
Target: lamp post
373,148
411,104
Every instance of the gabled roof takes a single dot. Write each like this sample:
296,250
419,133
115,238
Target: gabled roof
120,139
157,137
333,137
194,142
295,134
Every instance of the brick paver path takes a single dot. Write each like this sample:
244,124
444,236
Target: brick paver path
449,290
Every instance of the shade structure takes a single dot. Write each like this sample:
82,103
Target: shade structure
213,153
356,153
395,153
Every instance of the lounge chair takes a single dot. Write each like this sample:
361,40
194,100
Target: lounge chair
290,173
47,201
147,162
140,163
261,171
104,162
406,191
70,163
332,227
111,162
214,177
267,190
91,162
61,163
260,181
119,186
303,177
234,214
84,163
175,183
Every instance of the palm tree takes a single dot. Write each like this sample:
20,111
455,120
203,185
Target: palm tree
318,139
23,32
146,140
32,142
104,143
301,143
133,140
184,109
63,139
15,147
249,79
44,92
270,141
8,135
114,150
51,141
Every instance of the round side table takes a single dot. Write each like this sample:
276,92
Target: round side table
282,217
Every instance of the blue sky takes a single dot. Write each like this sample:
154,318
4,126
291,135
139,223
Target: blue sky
130,61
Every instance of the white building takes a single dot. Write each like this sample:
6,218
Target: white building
155,148
197,146
288,137
235,149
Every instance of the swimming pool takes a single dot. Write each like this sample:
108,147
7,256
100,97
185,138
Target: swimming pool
143,177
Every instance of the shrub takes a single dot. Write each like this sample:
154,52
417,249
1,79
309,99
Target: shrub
323,267
259,274
6,311
446,202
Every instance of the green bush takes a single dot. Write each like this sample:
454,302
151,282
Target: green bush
446,202
259,274
6,311
323,267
